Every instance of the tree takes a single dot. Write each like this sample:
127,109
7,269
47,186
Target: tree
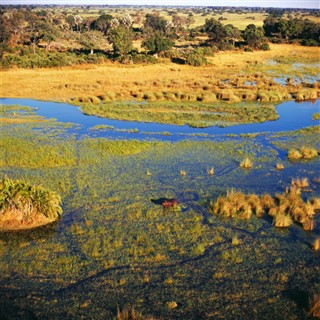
215,30
121,39
47,32
126,21
232,33
254,36
157,43
102,23
154,23
92,40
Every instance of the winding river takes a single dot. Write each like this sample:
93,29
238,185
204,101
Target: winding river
292,116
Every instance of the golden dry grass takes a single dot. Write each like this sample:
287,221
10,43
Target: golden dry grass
69,82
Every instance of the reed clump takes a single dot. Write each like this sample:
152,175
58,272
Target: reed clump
129,313
316,244
285,208
303,153
237,204
23,205
279,166
300,183
246,163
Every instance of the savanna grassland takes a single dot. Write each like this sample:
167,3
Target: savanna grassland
241,239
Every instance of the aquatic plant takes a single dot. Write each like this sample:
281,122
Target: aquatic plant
316,116
282,220
303,153
316,244
129,313
235,204
285,208
300,183
246,163
22,204
279,166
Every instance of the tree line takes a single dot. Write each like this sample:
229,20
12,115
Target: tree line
27,37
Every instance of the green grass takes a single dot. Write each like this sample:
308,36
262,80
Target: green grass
194,114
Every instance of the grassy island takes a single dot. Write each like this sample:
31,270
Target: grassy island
24,206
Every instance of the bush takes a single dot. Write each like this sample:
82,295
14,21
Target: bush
309,42
264,47
196,58
43,59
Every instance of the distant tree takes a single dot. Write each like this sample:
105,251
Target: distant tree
70,21
121,39
154,23
138,17
78,20
157,43
102,23
215,30
254,36
126,21
47,32
232,33
92,40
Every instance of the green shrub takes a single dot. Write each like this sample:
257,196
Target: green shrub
196,58
264,47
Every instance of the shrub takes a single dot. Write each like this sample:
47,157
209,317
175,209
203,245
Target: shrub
196,58
309,42
264,47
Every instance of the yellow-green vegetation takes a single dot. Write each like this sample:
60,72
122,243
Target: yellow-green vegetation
316,244
279,166
246,163
130,313
316,116
250,79
195,114
26,206
237,204
300,183
303,153
284,208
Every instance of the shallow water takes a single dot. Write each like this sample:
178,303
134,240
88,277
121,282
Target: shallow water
292,116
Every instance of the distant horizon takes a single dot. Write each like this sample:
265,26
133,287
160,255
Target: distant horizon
292,4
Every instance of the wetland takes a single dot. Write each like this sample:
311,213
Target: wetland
115,245
182,182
